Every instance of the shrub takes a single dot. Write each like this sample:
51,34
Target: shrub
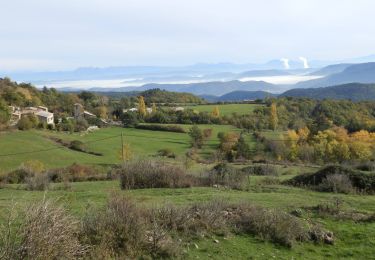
148,174
336,183
37,181
366,166
361,181
77,146
270,181
166,153
27,122
75,173
265,170
118,230
168,128
223,174
48,232
273,225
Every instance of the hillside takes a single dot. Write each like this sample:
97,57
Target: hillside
352,91
360,73
238,96
330,69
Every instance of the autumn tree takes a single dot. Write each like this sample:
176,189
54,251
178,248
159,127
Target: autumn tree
273,117
216,112
154,108
126,153
141,106
101,112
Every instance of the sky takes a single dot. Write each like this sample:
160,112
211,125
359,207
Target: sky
40,35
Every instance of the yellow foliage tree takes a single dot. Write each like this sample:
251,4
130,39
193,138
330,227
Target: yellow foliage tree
34,166
154,108
291,140
126,153
101,112
274,120
216,112
303,134
141,106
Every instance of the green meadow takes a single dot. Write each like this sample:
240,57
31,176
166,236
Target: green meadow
19,146
227,109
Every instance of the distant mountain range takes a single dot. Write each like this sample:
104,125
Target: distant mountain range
239,96
211,80
355,73
205,88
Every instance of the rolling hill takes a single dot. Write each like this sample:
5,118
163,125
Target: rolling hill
239,96
352,91
359,73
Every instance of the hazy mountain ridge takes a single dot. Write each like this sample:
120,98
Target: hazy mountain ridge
352,91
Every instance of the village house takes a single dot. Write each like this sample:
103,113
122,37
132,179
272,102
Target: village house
80,112
177,109
45,117
41,112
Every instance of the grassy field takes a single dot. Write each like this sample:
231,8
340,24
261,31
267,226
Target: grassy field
353,240
228,109
105,141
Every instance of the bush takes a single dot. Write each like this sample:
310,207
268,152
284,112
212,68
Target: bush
336,183
77,146
37,181
167,128
166,153
75,173
364,182
27,122
47,231
118,230
273,225
261,170
223,174
367,166
149,174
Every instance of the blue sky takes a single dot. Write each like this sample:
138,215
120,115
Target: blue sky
65,34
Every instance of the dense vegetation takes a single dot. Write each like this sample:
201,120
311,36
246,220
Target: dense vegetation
351,91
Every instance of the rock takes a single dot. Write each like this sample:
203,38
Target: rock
328,238
216,241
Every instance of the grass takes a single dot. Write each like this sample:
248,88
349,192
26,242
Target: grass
227,109
353,240
142,143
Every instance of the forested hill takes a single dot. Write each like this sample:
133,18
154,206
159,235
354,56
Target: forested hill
163,96
351,91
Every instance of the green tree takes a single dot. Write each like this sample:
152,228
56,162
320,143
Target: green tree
197,137
243,148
